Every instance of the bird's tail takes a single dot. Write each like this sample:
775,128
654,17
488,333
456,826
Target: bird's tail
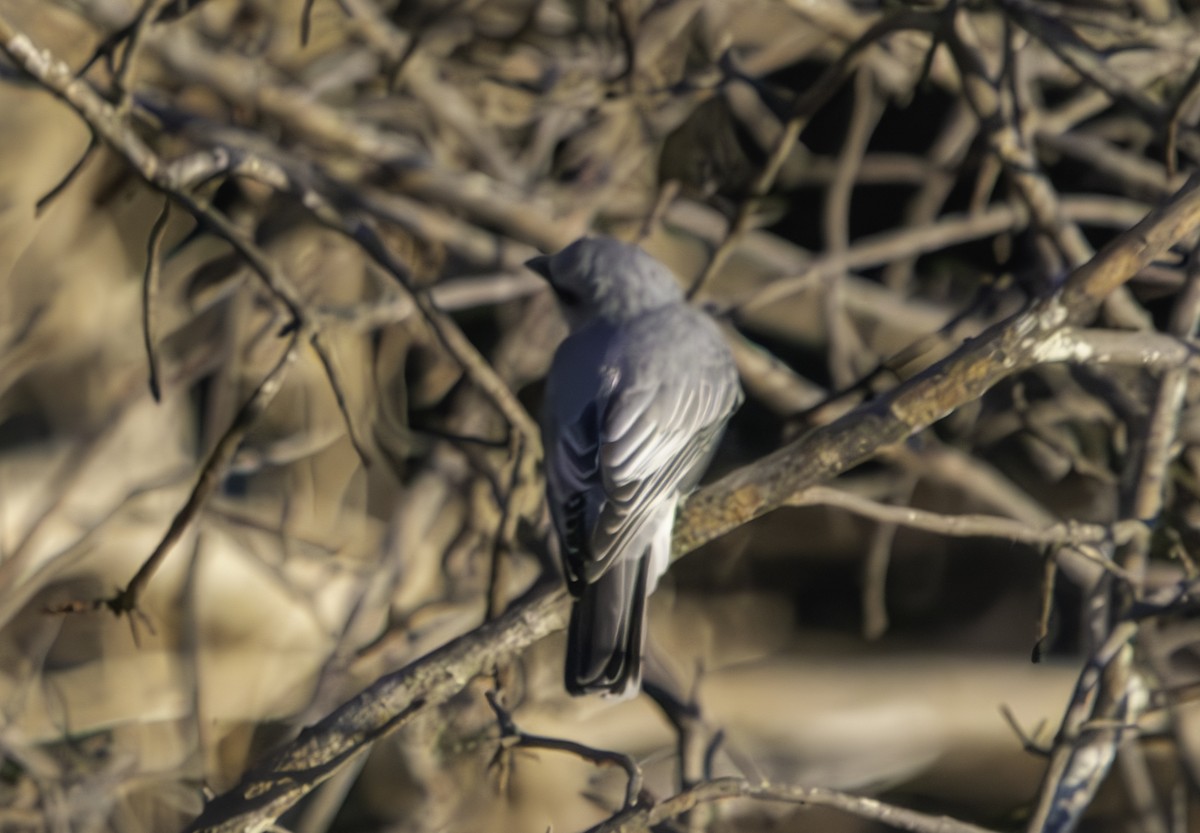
607,631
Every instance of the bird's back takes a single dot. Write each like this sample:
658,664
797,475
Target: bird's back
635,402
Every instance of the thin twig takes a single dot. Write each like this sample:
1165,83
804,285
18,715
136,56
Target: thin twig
150,280
339,395
126,70
968,526
505,531
69,176
211,471
512,737
721,789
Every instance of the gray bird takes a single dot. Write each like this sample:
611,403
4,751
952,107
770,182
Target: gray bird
636,400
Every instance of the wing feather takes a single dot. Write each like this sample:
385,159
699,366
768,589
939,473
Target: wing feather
650,453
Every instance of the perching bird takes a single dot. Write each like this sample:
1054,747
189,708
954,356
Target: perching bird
636,400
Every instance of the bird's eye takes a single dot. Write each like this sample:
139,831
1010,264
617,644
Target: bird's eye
568,296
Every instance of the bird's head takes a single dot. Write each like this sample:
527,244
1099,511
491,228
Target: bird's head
602,279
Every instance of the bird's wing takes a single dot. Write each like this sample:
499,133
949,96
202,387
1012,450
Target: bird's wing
646,438
658,435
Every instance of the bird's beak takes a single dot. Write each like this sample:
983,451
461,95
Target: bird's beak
540,264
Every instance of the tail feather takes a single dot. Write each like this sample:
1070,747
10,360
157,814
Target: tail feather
607,631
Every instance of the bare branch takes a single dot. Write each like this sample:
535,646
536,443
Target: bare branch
726,788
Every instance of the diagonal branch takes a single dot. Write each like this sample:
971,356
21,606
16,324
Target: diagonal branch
745,494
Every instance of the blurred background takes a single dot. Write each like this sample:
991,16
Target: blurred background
839,194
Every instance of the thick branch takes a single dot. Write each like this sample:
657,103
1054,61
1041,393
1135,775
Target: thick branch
745,494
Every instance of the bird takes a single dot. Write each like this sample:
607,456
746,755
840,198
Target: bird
635,403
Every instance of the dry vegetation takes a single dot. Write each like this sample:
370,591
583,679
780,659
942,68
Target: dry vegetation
268,358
